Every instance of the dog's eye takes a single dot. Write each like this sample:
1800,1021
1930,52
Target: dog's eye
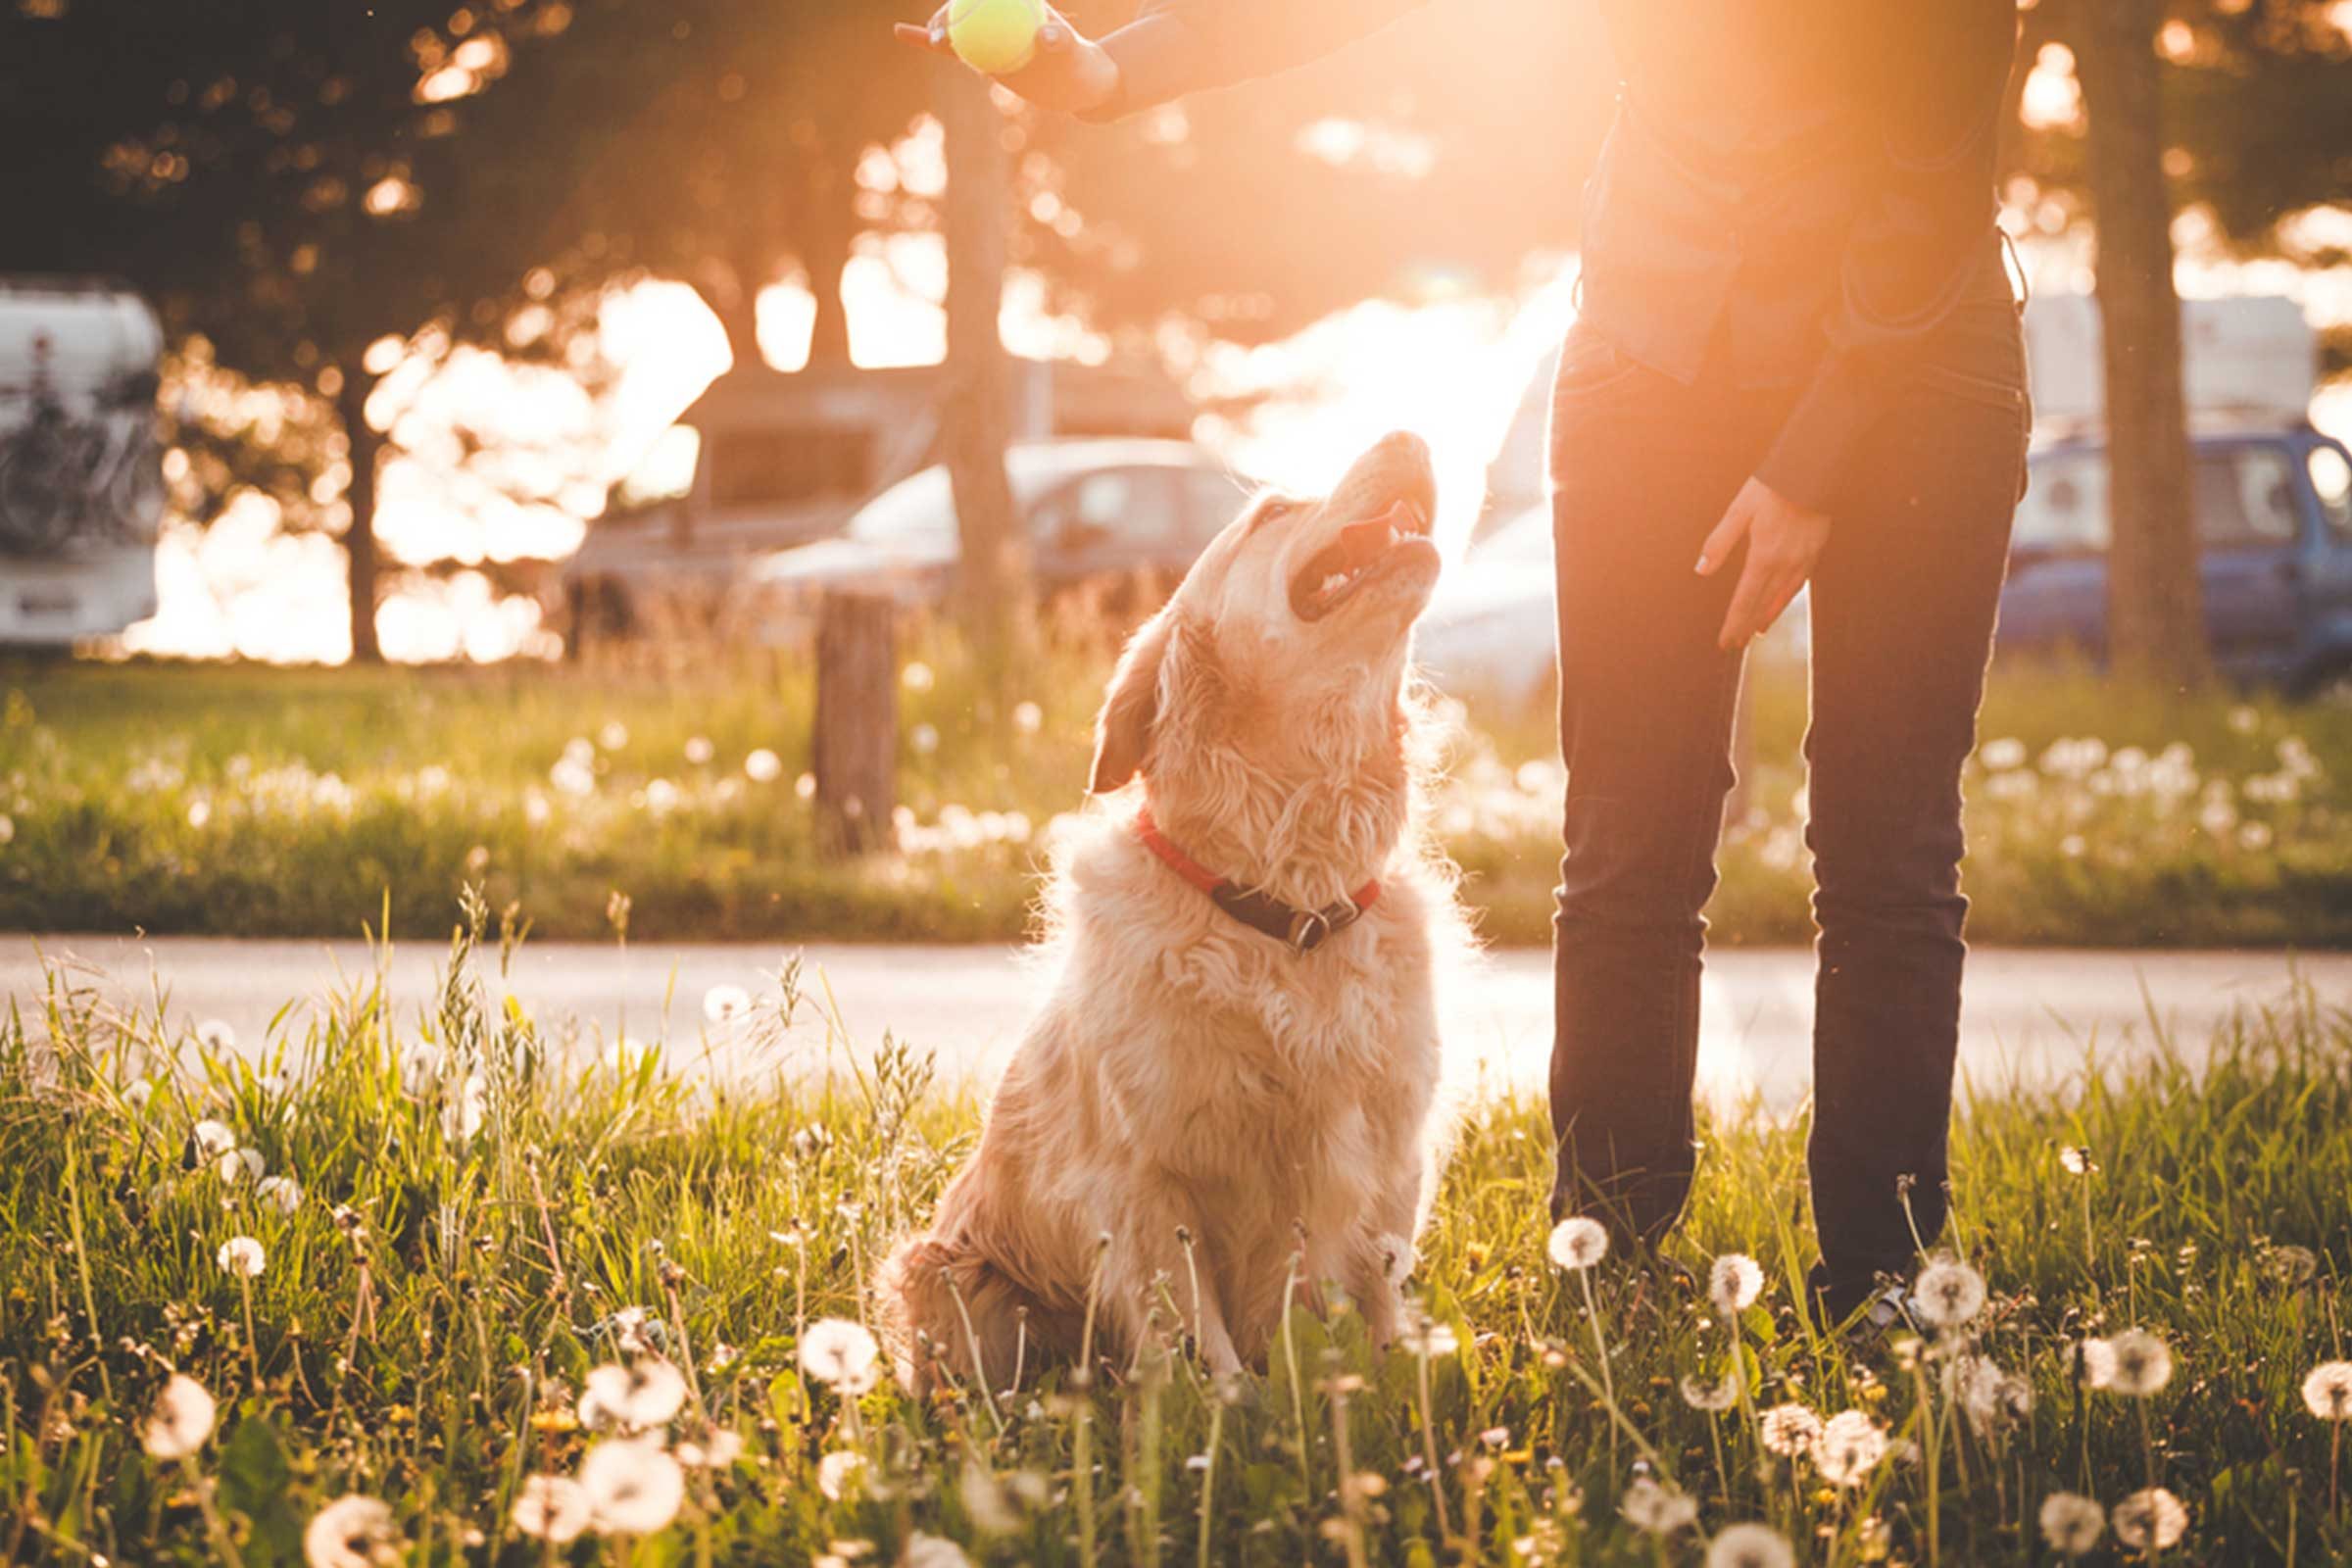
1273,510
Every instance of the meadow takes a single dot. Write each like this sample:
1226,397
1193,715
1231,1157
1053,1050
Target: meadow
256,801
451,1288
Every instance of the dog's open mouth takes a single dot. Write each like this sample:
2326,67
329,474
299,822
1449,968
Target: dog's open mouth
1364,553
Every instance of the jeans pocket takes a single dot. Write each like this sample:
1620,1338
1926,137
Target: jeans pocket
1589,365
2001,392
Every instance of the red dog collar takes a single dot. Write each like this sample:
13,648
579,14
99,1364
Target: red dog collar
1302,930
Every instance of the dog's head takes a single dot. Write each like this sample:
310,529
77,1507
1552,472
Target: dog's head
1311,601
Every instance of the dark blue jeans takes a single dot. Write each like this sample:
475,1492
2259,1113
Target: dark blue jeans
1902,604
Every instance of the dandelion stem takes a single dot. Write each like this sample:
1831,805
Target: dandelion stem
1208,1473
253,1348
1290,1355
1601,1349
1351,1504
1429,1437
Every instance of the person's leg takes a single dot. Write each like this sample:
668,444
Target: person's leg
1643,468
1903,600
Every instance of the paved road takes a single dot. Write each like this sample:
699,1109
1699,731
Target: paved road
2029,1014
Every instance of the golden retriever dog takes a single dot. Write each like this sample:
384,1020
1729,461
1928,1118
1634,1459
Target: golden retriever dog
1237,1061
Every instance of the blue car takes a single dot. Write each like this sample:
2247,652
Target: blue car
2273,513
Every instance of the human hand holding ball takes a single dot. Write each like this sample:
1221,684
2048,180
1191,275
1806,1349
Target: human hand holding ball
1027,45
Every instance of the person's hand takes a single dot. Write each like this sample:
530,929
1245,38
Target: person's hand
1783,541
1068,71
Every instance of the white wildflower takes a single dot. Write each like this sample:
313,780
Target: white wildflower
1578,1241
2072,1523
2149,1520
180,1420
241,1165
352,1531
633,1488
468,1107
284,1193
552,1509
212,1137
726,1003
241,1254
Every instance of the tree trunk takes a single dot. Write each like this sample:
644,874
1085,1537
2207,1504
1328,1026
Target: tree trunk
854,753
366,446
832,228
993,579
2155,597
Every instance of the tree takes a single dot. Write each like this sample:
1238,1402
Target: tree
289,182
977,415
2155,594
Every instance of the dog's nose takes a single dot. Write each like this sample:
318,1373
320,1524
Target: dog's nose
1405,444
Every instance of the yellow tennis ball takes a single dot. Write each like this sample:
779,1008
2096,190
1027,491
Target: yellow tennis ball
997,36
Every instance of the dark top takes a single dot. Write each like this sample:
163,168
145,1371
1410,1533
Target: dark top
1793,192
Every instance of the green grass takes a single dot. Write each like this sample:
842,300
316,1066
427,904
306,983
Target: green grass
246,800
434,1359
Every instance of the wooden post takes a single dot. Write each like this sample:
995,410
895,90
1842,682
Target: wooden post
855,747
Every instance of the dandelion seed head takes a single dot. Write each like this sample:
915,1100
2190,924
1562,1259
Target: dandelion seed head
1578,1241
1849,1448
2143,1365
645,1393
2094,1361
1659,1510
1751,1545
1396,1258
239,1166
726,1003
2072,1523
2292,1265
762,767
1789,1429
242,1254
1426,1336
1735,1283
841,1355
1711,1397
1947,1293
2328,1391
837,1472
352,1531
180,1419
216,1034
699,749
715,1448
137,1093
552,1508
282,1192
932,1551
633,1488
2075,1158
2149,1520
212,1138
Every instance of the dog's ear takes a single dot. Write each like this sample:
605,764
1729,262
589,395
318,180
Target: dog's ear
1131,709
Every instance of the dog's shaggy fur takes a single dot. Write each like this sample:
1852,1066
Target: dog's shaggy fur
1195,1102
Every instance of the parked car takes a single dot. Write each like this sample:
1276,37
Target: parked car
1095,508
2274,519
2273,509
1489,629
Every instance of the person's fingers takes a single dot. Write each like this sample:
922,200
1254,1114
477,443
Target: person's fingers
925,39
1746,598
1725,537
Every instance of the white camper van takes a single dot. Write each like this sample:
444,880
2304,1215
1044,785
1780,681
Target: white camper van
81,486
